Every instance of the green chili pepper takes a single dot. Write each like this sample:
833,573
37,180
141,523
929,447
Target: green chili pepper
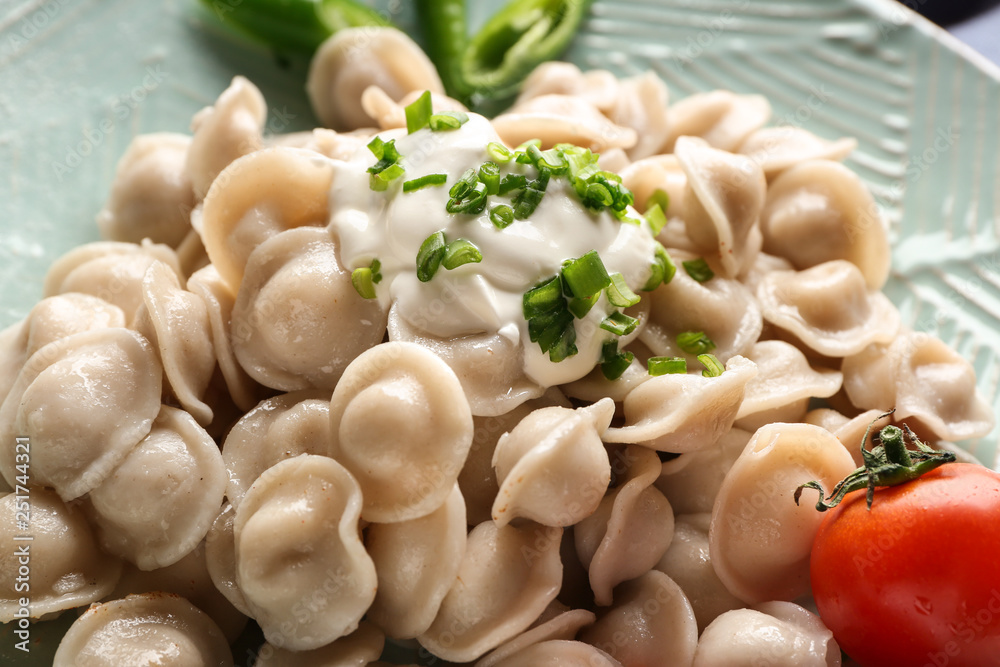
446,36
522,35
294,25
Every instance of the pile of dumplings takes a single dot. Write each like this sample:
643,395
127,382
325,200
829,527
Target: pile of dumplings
222,429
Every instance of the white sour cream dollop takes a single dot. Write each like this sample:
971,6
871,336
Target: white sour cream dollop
487,296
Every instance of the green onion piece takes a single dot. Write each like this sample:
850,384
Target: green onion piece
543,299
447,120
659,198
550,160
380,182
662,269
459,252
527,201
363,282
489,175
424,181
474,202
419,113
502,216
713,367
387,168
597,196
565,346
430,255
666,365
549,329
585,275
698,269
656,219
499,153
464,185
619,323
581,305
377,147
376,268
695,342
619,293
614,363
512,182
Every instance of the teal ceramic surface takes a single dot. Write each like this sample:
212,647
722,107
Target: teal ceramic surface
80,78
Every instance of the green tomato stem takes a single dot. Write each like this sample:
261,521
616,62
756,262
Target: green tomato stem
889,463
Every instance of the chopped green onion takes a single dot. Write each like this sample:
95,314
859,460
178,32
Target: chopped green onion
527,201
659,198
698,269
543,298
613,362
464,185
430,255
489,175
447,120
523,148
474,203
419,113
619,323
619,293
512,182
380,182
695,342
662,269
546,328
549,160
502,216
387,167
585,275
656,219
424,181
713,367
376,267
377,147
666,365
597,196
581,305
363,282
565,346
498,152
459,252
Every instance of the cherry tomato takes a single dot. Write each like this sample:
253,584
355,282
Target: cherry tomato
915,580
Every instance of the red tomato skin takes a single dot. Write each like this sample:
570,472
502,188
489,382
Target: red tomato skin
915,581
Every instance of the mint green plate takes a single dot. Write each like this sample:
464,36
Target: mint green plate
80,78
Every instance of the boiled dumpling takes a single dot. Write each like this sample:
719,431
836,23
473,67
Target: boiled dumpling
152,195
299,557
159,502
298,321
507,577
552,467
64,568
224,132
391,389
154,628
84,402
355,58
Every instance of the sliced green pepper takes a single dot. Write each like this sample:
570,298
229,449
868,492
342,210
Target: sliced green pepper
522,35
